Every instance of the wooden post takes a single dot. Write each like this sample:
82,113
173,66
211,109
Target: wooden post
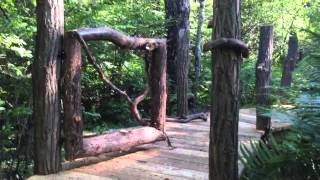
158,86
72,122
290,61
263,77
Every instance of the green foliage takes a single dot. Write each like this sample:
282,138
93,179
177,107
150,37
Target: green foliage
294,157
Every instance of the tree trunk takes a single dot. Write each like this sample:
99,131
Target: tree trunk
177,13
263,77
198,50
290,61
72,122
223,149
45,76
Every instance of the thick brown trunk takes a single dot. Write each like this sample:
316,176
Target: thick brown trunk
177,12
158,85
290,61
263,77
45,76
120,141
72,122
223,149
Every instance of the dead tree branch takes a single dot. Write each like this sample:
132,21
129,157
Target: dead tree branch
132,103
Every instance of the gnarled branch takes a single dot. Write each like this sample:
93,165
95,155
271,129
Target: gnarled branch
230,43
132,103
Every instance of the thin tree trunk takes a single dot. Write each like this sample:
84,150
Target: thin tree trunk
73,122
223,149
177,13
263,77
290,61
45,76
198,50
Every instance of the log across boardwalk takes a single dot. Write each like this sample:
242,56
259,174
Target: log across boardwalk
189,159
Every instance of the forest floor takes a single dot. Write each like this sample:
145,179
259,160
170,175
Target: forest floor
188,160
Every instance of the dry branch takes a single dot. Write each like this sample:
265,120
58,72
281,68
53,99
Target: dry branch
237,45
122,140
189,118
132,103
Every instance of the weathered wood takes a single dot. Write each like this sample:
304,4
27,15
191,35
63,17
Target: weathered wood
290,61
45,77
223,154
119,141
158,86
71,92
263,77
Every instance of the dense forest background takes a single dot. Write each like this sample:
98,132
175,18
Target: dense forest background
105,110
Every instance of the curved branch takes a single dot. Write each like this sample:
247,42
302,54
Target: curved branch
119,38
132,103
230,43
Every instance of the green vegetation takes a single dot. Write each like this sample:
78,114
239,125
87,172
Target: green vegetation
103,109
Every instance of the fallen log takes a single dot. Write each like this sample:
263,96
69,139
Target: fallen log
189,118
121,140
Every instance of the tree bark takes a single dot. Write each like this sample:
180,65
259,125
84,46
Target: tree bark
177,13
198,50
71,84
45,76
119,141
263,77
223,149
290,61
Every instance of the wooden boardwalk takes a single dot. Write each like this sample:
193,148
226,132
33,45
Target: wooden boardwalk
188,160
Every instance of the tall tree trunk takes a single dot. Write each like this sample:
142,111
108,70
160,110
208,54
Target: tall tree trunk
290,61
223,149
263,77
198,50
177,14
45,76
